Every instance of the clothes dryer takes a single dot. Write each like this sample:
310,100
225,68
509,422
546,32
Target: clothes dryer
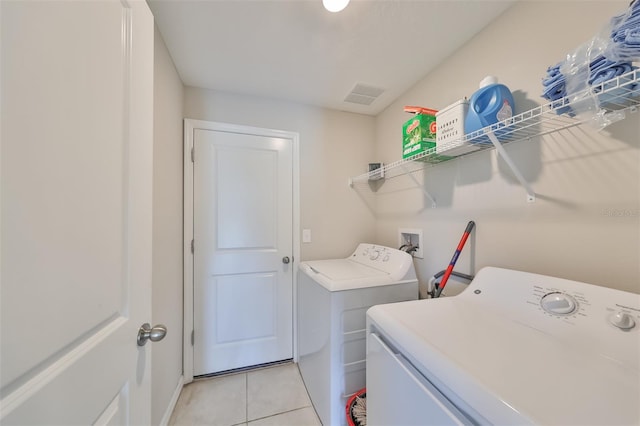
514,348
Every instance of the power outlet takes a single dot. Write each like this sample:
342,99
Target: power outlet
412,237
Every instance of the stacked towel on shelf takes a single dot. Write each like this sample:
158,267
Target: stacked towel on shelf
555,87
625,34
554,84
606,71
600,70
624,46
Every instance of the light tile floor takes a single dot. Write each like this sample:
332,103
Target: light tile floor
264,397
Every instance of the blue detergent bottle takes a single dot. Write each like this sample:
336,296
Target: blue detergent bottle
490,104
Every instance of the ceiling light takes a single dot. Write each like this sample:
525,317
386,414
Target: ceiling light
335,5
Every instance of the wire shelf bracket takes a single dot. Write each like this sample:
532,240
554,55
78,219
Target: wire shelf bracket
531,196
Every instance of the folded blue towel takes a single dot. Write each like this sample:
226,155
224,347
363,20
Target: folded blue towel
555,91
554,88
627,34
621,35
600,62
608,72
553,76
633,37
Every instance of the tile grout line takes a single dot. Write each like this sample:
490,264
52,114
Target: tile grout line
302,407
283,412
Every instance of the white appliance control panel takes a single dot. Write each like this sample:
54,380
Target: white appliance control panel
592,317
387,259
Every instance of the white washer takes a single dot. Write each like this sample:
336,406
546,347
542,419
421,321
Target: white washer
333,297
513,348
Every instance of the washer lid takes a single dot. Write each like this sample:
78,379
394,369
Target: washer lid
344,274
344,269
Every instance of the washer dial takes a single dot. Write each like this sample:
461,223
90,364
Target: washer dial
557,303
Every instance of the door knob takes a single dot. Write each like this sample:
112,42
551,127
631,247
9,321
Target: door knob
285,260
154,334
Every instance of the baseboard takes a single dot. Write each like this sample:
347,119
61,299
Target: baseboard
172,403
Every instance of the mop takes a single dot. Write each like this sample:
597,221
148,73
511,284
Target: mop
449,270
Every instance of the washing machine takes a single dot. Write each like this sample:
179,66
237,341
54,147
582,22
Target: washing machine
514,348
333,297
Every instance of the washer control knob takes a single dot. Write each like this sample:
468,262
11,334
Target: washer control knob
622,320
559,303
374,255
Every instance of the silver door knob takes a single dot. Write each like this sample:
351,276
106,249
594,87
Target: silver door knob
285,260
154,334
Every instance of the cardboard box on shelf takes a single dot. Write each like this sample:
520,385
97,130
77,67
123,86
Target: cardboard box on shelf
419,133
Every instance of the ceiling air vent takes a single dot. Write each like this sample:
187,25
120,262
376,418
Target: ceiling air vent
363,94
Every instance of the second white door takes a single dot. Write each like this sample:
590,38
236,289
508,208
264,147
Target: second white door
243,249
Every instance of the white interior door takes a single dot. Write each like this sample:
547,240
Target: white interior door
243,220
77,111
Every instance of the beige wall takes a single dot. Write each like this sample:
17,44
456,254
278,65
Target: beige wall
167,230
585,224
333,145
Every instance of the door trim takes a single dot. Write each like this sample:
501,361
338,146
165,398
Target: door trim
190,126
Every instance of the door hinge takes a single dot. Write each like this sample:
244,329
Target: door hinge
192,246
192,337
193,156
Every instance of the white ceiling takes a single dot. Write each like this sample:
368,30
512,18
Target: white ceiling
295,50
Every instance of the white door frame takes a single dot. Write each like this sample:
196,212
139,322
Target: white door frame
190,126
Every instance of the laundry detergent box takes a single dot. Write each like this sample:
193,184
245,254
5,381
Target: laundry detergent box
419,133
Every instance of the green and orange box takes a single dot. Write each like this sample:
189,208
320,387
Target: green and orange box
419,133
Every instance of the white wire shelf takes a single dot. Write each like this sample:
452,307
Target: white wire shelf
618,94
